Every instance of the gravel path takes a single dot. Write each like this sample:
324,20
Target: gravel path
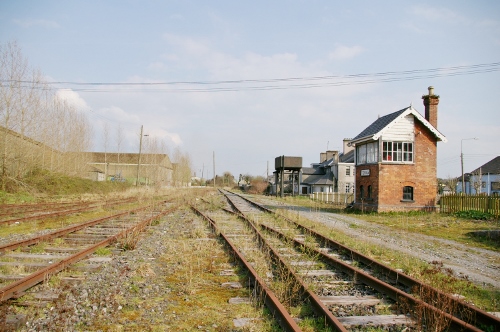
478,265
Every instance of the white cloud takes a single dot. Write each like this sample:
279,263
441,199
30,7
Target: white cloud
342,52
72,98
28,23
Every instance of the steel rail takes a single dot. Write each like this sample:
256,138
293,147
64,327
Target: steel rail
88,206
381,286
313,298
481,317
34,208
64,231
273,304
29,281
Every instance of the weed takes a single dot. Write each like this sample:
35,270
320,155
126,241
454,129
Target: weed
130,240
37,248
103,251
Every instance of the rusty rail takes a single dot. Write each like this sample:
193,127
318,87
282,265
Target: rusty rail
318,306
61,232
29,281
271,301
88,206
481,317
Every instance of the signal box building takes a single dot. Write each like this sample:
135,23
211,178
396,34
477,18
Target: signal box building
396,160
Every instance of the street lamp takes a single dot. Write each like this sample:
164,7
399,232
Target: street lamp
462,161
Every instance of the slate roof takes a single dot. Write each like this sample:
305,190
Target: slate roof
318,180
312,171
376,129
492,167
347,157
378,125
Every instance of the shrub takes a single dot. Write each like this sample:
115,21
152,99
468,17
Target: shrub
474,214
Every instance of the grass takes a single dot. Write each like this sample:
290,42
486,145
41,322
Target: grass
439,225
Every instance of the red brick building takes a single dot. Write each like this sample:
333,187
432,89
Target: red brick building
396,160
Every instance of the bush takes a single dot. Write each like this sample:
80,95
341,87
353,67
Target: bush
474,214
257,187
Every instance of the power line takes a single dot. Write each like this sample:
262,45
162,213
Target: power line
271,84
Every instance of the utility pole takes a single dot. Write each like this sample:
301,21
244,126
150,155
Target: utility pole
462,161
139,161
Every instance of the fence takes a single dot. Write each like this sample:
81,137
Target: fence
334,198
455,203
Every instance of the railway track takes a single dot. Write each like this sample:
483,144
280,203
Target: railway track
28,262
345,289
30,212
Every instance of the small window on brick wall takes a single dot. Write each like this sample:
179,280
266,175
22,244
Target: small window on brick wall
369,192
407,193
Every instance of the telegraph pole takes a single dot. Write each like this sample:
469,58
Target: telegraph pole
139,161
214,167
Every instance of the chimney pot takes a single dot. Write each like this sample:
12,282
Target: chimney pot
431,102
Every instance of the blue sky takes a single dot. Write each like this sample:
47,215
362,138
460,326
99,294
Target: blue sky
213,41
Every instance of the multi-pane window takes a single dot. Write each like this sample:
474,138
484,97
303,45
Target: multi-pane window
348,170
367,153
397,151
408,193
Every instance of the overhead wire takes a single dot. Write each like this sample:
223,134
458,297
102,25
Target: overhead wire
271,84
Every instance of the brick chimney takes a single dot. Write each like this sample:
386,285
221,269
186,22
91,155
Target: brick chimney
431,102
347,148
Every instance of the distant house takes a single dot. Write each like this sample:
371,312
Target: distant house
319,177
334,173
396,162
344,171
483,180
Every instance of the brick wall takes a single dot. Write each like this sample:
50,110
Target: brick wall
388,179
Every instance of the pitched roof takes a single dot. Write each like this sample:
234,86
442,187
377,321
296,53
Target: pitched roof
318,180
347,157
312,171
491,167
377,128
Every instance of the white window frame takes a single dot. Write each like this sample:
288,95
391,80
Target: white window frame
367,153
398,152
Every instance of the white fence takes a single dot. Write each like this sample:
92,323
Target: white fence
334,198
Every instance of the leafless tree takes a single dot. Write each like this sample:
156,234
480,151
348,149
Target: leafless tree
182,168
451,182
477,181
37,128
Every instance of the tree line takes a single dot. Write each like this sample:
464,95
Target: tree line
39,130
37,126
